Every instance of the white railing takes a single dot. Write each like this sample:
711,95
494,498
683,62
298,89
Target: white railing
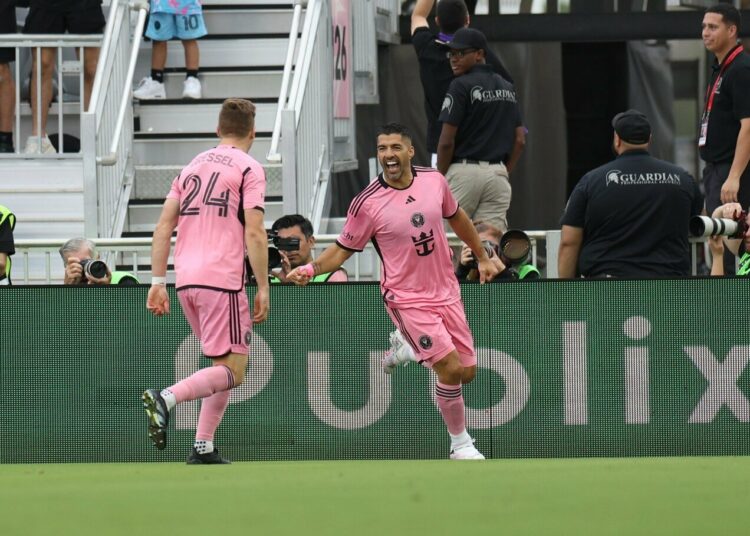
107,125
64,103
134,255
307,119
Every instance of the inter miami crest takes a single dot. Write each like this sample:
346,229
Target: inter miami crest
425,341
417,220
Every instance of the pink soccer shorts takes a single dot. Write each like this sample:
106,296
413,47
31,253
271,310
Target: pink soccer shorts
220,319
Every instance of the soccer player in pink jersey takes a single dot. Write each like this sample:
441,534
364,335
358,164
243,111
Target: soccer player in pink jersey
216,203
402,213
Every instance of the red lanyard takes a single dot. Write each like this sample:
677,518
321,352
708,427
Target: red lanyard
724,65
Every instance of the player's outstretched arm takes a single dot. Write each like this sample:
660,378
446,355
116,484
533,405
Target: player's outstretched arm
256,242
158,299
464,229
329,261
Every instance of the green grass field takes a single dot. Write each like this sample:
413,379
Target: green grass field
570,496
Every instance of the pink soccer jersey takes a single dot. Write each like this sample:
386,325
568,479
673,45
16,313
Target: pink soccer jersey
213,190
406,228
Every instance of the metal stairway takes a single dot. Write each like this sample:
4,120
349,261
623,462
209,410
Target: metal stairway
242,56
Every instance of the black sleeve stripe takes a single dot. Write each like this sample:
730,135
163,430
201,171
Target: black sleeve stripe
456,212
342,246
245,172
260,208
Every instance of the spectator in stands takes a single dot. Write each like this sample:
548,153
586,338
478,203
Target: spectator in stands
434,68
77,254
7,245
482,136
7,87
58,17
724,139
491,236
629,217
738,247
170,19
296,226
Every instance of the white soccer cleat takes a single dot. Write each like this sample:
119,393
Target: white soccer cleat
400,353
33,147
150,89
467,451
191,88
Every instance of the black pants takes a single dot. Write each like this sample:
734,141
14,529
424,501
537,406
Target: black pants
714,176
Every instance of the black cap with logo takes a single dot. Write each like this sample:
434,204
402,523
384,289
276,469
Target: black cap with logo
468,38
632,126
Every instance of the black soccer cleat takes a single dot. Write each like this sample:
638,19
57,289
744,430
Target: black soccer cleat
210,458
158,417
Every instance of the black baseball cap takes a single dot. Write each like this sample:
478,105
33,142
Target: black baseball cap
468,38
632,126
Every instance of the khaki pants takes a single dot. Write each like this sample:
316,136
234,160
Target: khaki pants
482,190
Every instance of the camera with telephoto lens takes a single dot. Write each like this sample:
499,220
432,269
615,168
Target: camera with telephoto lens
489,248
93,269
282,244
703,226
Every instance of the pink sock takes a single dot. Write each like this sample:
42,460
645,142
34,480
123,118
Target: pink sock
203,384
451,404
212,410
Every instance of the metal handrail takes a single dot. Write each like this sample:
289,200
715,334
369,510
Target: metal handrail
273,151
142,8
103,52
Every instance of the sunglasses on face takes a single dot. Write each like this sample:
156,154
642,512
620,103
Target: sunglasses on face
459,53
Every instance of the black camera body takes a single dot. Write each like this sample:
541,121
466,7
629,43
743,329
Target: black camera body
281,244
93,269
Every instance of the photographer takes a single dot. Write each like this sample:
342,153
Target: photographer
739,247
83,267
293,237
514,267
7,245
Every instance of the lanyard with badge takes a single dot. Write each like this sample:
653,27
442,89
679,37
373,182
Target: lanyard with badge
711,92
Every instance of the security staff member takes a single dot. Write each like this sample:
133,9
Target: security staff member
629,218
7,245
434,68
724,138
482,135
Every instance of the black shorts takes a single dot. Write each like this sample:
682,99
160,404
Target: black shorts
7,26
86,20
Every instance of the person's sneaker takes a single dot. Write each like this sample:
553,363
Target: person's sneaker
208,458
400,353
158,417
191,88
32,146
149,89
466,451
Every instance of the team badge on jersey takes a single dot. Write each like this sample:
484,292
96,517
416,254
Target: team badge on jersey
425,341
417,220
248,337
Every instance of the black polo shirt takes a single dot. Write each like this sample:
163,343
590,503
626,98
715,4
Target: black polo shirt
436,75
7,245
482,104
634,212
731,103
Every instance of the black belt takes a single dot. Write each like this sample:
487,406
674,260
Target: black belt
472,161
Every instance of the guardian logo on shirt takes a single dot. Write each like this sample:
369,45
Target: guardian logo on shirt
479,94
447,103
628,179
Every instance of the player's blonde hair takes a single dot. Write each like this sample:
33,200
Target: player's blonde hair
237,118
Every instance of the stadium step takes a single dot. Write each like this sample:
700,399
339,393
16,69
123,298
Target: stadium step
222,84
225,51
245,19
186,115
143,215
173,149
153,182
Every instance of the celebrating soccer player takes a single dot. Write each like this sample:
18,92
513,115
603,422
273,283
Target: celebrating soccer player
402,212
216,203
